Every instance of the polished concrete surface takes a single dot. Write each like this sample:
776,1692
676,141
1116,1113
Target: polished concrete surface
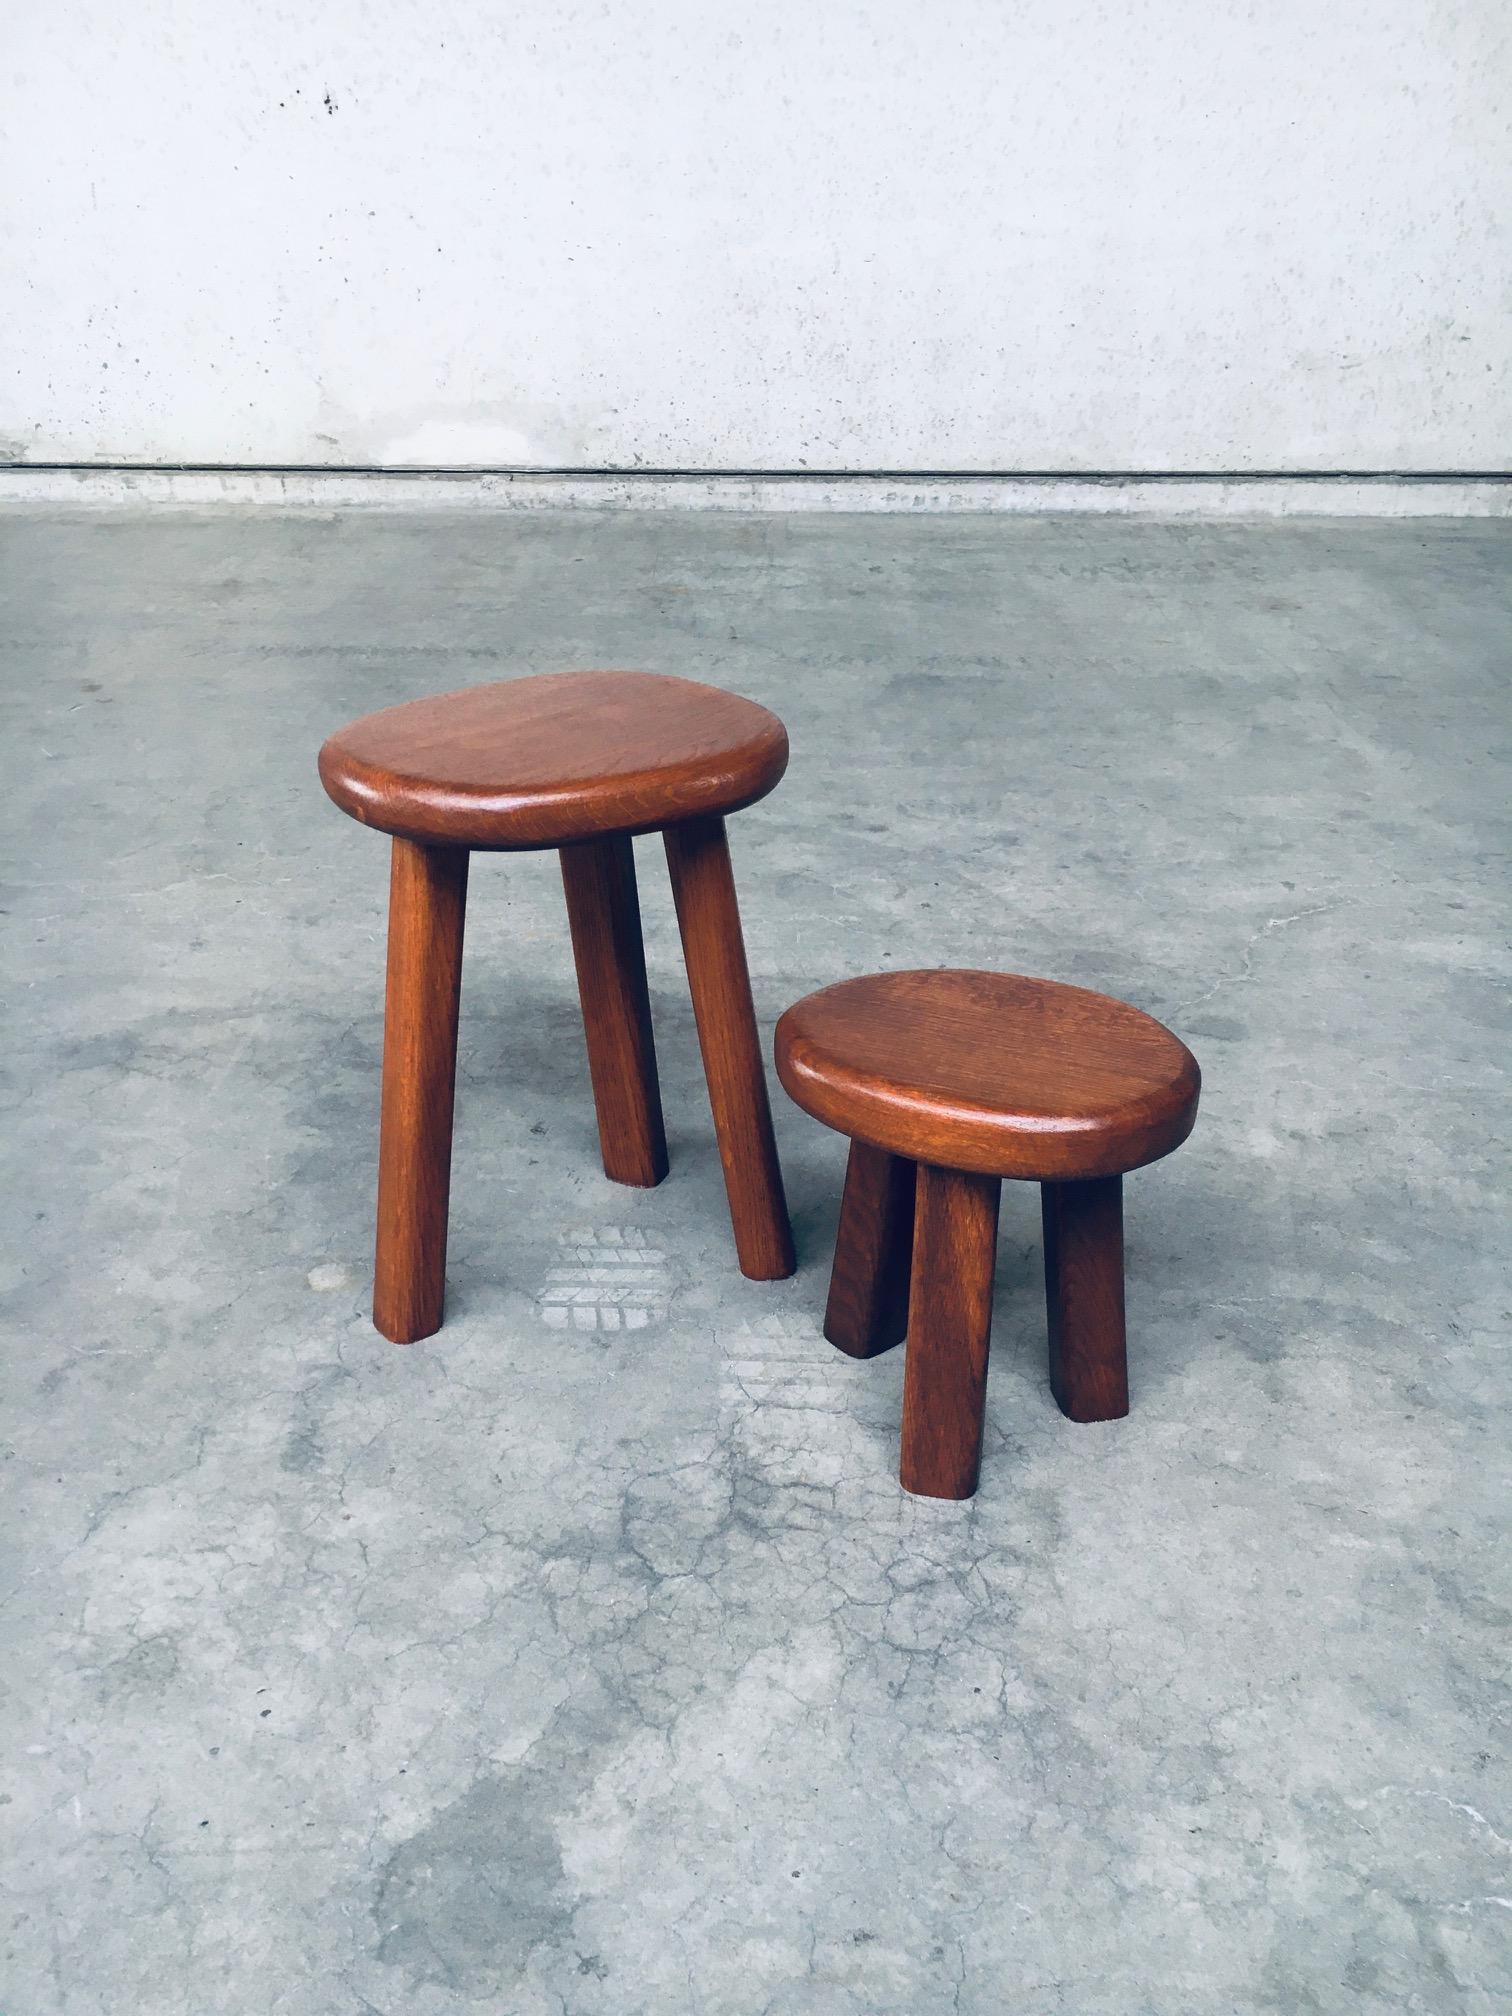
586,1658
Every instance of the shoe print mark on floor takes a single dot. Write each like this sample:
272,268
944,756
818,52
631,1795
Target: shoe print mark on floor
779,1362
608,1277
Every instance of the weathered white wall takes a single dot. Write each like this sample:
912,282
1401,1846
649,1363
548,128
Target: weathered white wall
780,234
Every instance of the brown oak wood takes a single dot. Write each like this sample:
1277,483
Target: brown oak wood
949,1327
427,910
867,1311
990,1071
564,756
977,1077
1084,1296
703,888
603,912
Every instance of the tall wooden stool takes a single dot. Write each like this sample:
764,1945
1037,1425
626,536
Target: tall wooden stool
947,1082
579,761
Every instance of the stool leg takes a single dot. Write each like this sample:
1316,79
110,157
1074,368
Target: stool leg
427,905
1084,1296
949,1326
698,860
604,914
867,1310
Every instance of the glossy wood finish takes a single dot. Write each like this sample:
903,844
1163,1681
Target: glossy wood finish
427,908
703,887
1084,1295
867,1310
976,1077
991,1072
949,1326
603,911
565,756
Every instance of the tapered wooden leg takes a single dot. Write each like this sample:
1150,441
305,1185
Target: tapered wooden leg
949,1327
867,1310
1084,1296
604,913
427,905
698,859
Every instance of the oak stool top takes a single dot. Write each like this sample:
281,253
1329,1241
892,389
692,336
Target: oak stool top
990,1072
563,756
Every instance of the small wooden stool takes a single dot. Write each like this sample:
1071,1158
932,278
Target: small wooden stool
948,1082
578,761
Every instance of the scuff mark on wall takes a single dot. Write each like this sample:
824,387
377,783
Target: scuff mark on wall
463,434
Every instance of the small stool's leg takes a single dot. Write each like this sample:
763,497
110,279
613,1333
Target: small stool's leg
698,860
604,913
427,904
1084,1295
949,1327
868,1296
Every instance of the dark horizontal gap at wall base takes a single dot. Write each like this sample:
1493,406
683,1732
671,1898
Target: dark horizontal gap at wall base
467,470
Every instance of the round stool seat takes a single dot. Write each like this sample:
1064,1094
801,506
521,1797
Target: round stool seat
990,1072
566,756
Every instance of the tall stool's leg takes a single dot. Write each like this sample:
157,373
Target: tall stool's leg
949,1327
867,1310
604,913
427,905
698,859
1084,1296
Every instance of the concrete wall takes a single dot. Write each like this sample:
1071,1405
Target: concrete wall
784,234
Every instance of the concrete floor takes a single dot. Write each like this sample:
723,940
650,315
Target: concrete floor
554,1666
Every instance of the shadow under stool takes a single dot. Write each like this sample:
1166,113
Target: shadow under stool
580,762
947,1082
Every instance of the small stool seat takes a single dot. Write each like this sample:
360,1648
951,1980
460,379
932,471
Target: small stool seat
947,1082
565,756
991,1072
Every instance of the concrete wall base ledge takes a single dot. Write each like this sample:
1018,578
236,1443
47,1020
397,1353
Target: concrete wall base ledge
1270,495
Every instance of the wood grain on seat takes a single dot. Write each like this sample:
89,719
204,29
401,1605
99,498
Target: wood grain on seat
566,756
990,1072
